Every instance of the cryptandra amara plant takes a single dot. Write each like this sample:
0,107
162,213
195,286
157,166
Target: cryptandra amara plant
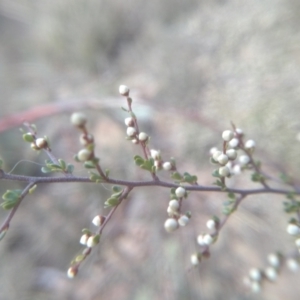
234,157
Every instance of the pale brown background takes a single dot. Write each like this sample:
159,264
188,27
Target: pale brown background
193,66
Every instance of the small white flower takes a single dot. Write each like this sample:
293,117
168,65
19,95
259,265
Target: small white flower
143,136
92,241
211,224
134,141
195,259
131,131
167,166
297,242
200,240
231,153
41,143
174,205
155,154
237,170
213,150
223,159
129,122
227,135
183,220
239,131
224,171
72,272
274,260
255,287
234,143
180,192
255,274
124,90
78,119
84,238
84,155
250,144
293,229
216,154
171,225
97,221
271,273
292,264
244,160
208,239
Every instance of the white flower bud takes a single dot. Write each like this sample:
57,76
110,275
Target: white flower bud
292,264
223,159
72,272
255,287
155,154
213,150
208,239
92,241
250,144
195,260
84,238
274,260
200,240
78,119
129,121
143,136
211,224
216,154
255,274
41,143
244,160
227,135
124,90
271,273
234,143
134,141
131,131
174,205
167,166
183,220
239,131
98,220
297,242
180,192
171,225
224,171
237,170
86,139
170,211
293,229
231,153
84,155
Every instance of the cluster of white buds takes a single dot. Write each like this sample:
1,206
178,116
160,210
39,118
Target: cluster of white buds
270,273
293,229
156,156
226,158
206,239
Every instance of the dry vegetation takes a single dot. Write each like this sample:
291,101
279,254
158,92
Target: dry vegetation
193,66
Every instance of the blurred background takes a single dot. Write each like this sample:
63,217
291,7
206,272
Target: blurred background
193,67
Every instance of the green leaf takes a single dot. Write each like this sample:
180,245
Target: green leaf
62,164
70,168
257,177
28,137
95,177
46,170
89,164
177,176
189,178
110,202
12,195
148,165
116,188
215,173
32,189
86,231
138,160
231,195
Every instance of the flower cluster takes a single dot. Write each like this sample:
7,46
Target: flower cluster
256,276
176,218
226,158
